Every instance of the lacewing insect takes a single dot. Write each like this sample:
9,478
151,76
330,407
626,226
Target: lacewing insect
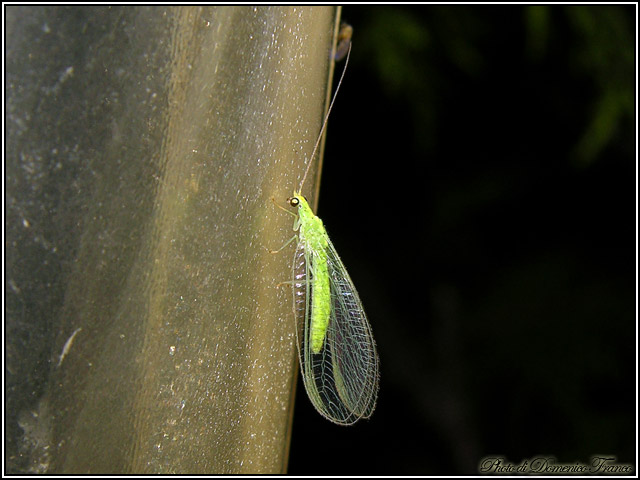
338,358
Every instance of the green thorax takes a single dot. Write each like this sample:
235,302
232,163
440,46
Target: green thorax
312,231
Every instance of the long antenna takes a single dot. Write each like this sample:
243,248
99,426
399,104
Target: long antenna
326,118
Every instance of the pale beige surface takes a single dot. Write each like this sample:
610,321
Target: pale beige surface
182,359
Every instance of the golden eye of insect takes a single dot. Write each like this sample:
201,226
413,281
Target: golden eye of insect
294,202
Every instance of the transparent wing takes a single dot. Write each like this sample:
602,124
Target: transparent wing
342,379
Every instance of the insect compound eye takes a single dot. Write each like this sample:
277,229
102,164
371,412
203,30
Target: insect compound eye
294,202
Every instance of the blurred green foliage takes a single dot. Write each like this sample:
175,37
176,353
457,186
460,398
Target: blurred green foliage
409,51
604,51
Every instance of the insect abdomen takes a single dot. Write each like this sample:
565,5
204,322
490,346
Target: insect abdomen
321,307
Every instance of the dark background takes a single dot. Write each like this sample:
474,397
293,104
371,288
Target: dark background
480,185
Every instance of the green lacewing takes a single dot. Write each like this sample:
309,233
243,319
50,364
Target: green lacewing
338,358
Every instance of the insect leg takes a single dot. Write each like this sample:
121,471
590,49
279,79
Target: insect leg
288,242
